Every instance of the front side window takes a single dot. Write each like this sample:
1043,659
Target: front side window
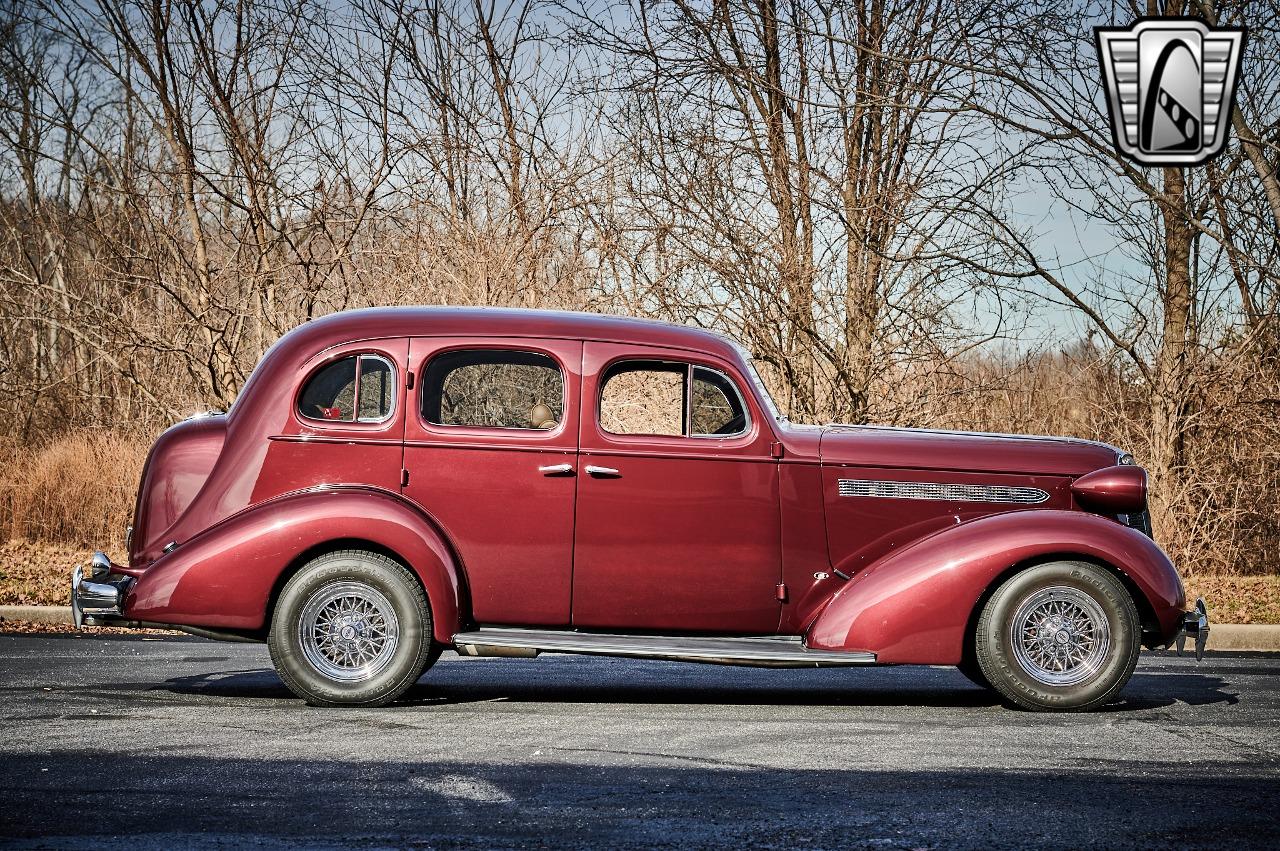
490,388
357,388
670,399
644,398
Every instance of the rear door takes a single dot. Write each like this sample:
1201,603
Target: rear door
490,452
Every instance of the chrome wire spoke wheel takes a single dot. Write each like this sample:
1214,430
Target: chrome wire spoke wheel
1060,636
348,631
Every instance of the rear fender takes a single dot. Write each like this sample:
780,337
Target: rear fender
914,605
224,577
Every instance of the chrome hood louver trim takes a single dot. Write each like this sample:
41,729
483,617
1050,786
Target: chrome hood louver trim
946,491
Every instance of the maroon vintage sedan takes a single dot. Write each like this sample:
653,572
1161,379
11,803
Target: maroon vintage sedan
394,482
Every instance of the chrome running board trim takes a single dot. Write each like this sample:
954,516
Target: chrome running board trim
765,652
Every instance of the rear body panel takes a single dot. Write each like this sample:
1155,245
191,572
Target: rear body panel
177,468
226,577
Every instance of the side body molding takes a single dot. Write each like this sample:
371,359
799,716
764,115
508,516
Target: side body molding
913,605
224,577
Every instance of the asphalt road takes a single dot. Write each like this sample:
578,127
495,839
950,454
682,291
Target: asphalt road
113,743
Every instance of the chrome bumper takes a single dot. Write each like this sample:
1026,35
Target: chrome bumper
97,600
1195,625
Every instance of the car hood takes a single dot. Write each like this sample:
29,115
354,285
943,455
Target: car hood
879,446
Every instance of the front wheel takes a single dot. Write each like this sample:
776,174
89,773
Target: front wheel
351,628
1059,636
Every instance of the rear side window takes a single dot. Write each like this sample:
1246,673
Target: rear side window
492,388
670,399
358,388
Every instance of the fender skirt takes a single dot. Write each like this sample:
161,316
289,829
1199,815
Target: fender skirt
913,606
224,577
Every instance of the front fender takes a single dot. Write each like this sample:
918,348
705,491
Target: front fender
223,578
913,606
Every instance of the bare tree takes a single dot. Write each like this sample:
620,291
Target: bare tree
784,159
1037,78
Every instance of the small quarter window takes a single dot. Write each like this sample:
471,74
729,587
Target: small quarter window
717,409
670,399
493,389
376,391
359,388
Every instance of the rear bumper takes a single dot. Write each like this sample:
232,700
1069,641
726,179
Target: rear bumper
97,596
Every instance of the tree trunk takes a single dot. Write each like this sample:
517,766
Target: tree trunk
1170,395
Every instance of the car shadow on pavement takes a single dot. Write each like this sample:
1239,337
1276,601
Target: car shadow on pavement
265,684
1166,688
518,682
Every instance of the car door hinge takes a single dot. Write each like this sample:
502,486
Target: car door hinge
782,591
404,478
408,380
775,449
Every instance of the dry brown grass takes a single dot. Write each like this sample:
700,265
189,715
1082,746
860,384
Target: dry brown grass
38,574
17,627
1238,599
79,488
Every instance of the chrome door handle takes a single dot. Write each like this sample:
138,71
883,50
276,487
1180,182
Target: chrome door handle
557,470
608,472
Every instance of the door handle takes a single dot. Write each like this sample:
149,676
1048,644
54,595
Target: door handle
603,472
556,470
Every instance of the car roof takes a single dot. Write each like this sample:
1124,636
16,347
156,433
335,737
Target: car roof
381,322
282,360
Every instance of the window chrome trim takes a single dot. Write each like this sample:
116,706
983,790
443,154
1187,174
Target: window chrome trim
944,491
391,412
687,369
737,391
425,421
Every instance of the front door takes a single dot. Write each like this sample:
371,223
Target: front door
677,526
490,453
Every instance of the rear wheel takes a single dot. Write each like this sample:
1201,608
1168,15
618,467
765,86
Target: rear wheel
351,628
1059,636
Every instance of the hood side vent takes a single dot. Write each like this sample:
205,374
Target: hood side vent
948,492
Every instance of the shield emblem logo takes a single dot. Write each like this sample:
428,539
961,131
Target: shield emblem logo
1170,86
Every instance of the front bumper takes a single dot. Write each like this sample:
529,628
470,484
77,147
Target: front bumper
1195,625
97,598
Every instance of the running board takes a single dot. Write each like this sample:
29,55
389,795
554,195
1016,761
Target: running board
765,652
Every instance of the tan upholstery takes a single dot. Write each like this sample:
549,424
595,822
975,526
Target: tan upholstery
540,416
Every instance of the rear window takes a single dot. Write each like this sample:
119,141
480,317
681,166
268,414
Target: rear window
489,388
357,388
